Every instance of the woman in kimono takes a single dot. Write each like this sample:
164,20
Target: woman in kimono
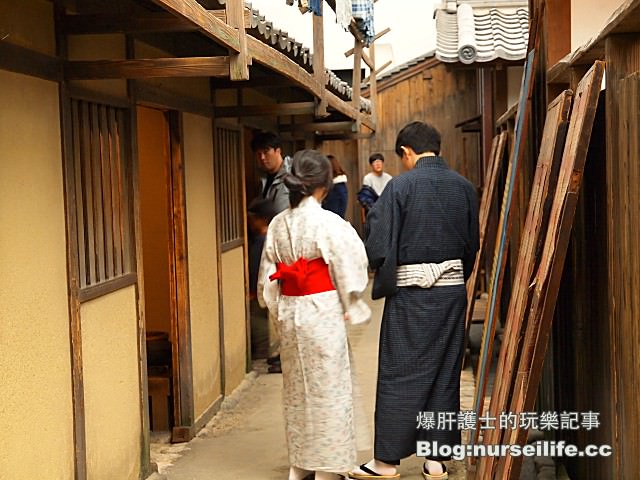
312,275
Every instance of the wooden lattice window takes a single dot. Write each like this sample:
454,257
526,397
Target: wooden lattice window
228,169
101,181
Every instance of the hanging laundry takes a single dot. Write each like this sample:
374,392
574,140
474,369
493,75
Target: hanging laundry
343,13
316,7
362,11
303,5
290,2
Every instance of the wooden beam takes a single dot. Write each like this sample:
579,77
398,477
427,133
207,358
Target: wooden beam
29,62
278,62
377,72
369,60
273,109
148,68
281,64
253,82
163,99
350,52
345,136
239,63
210,25
383,32
156,22
319,73
318,127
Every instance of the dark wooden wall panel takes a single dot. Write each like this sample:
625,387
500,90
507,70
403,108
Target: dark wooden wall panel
582,340
623,197
439,95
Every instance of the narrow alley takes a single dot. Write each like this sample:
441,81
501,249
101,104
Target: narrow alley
245,440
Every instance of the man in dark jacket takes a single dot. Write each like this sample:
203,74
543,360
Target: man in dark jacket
267,147
421,239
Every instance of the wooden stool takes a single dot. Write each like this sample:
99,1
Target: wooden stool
159,395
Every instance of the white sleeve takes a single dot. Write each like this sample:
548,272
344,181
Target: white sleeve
268,291
347,261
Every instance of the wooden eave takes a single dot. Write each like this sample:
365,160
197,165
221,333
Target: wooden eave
195,20
214,28
626,19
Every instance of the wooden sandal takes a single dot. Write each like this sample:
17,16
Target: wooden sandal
371,474
438,476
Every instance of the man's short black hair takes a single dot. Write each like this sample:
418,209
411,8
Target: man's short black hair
376,156
420,137
262,208
265,140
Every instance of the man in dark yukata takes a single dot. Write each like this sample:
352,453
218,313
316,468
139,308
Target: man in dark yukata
421,239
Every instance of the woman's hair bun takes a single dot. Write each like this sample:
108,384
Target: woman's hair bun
295,184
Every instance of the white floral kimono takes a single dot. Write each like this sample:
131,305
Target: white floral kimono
319,389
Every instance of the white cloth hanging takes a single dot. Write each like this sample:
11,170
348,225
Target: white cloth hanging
343,13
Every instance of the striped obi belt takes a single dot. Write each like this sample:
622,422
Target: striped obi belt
427,275
303,277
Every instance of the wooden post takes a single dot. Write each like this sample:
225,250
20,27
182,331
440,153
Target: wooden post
373,89
239,62
319,72
357,65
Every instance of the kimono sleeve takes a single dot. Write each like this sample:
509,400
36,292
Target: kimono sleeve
268,292
382,229
347,261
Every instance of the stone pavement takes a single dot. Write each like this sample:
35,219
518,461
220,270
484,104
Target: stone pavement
245,440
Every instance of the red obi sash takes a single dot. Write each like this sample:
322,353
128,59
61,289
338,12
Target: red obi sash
303,277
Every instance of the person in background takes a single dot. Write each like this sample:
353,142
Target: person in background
267,147
377,178
312,276
263,333
337,198
373,184
422,237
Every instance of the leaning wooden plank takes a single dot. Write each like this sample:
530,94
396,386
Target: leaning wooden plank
486,204
547,279
553,137
503,234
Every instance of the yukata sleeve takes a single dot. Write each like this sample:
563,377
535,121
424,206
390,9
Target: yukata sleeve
473,244
347,261
268,292
381,233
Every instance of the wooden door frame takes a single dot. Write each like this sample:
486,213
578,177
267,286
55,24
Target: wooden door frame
183,404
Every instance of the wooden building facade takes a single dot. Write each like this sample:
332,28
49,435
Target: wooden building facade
123,286
591,361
